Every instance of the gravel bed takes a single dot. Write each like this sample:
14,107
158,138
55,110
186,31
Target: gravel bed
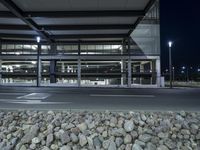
64,130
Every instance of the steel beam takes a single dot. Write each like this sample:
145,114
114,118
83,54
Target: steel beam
65,36
20,14
78,14
86,36
88,42
68,27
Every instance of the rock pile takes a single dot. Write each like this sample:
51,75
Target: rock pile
41,130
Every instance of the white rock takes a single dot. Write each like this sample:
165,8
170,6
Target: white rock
82,140
33,146
23,147
136,147
106,144
82,127
49,139
112,146
45,148
74,137
143,117
145,137
54,147
162,147
67,147
127,139
35,140
128,125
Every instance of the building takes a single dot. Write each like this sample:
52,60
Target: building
80,43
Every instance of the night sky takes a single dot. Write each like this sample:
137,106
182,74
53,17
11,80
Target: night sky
180,22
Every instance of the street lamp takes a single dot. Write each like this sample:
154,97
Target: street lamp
38,59
38,39
170,62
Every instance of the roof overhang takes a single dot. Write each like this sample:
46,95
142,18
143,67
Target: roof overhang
70,20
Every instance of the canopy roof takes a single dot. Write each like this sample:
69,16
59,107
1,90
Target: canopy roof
70,20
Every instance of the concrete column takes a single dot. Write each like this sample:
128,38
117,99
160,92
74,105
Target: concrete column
0,71
153,71
0,64
141,71
79,64
53,71
63,67
123,65
53,64
158,73
129,65
39,77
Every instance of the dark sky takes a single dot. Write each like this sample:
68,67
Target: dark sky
180,22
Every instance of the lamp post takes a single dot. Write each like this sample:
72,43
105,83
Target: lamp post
170,62
38,63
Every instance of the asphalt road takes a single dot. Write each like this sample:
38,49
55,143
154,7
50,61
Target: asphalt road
187,99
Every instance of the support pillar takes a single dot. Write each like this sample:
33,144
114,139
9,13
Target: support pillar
79,64
53,64
63,67
38,66
0,64
123,65
158,72
0,71
141,71
153,71
53,71
129,65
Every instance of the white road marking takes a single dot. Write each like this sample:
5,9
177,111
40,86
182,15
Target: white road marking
34,96
28,102
138,96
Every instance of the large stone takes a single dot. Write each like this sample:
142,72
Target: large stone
30,135
136,147
35,140
163,135
113,121
145,138
143,117
106,144
82,140
128,125
65,147
118,141
82,127
33,146
112,146
151,146
162,147
118,132
96,142
49,139
127,139
185,132
74,137
23,147
54,147
64,137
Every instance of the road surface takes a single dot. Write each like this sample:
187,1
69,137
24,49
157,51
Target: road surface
98,99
